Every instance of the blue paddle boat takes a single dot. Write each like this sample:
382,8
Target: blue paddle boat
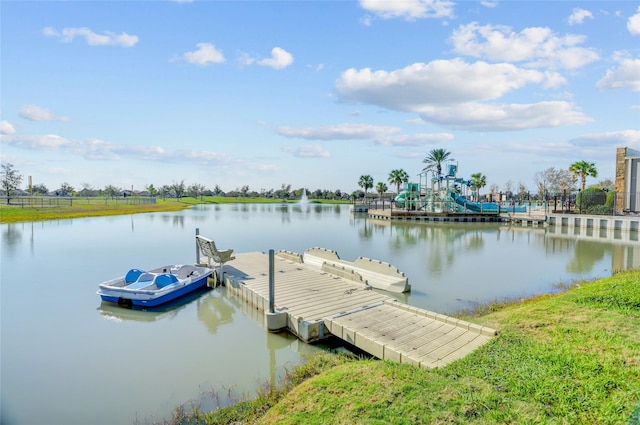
154,287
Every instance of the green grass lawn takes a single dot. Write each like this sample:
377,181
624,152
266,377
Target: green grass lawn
570,358
13,214
98,207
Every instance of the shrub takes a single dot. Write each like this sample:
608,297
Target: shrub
611,198
590,197
599,210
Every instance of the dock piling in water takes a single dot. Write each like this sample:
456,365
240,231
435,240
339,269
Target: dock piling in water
272,284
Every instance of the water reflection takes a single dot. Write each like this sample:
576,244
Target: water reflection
590,247
170,310
11,238
214,311
586,255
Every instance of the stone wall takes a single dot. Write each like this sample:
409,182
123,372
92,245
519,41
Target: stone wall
621,174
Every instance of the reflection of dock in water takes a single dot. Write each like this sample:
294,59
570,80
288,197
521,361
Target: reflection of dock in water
604,234
314,305
624,246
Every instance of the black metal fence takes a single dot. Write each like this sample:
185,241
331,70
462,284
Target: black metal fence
589,201
596,202
68,201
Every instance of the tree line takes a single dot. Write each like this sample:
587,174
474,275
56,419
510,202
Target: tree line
548,182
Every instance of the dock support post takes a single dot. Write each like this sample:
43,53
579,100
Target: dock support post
197,247
272,285
274,321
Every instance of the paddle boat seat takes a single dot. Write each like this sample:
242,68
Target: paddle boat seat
132,276
165,279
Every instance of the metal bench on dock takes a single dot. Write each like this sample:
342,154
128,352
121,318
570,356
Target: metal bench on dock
212,255
314,304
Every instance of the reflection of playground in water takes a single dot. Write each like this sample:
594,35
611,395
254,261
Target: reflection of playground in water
445,242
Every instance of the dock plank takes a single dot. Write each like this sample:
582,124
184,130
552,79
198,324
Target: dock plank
318,304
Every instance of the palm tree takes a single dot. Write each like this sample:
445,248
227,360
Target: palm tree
435,159
365,182
583,169
398,177
478,181
381,188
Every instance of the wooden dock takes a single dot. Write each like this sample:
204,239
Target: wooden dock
314,304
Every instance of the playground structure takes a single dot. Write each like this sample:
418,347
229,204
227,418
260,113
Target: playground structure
446,194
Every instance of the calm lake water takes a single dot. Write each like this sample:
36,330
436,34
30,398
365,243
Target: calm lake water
66,358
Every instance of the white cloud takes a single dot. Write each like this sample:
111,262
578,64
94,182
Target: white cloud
279,59
550,149
338,132
440,82
379,135
37,113
455,94
204,55
263,167
505,117
99,149
489,3
96,149
626,75
409,10
633,23
534,46
50,32
48,141
553,80
307,151
194,155
420,139
245,60
107,39
579,15
6,128
608,140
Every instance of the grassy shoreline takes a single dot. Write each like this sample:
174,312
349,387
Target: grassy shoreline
567,358
17,214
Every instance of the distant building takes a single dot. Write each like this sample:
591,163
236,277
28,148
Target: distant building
59,192
86,193
627,184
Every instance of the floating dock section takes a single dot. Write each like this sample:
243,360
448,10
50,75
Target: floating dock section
314,304
425,216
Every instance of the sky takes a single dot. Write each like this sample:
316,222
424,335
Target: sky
313,94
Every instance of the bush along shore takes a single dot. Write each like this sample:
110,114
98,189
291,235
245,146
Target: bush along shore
569,358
